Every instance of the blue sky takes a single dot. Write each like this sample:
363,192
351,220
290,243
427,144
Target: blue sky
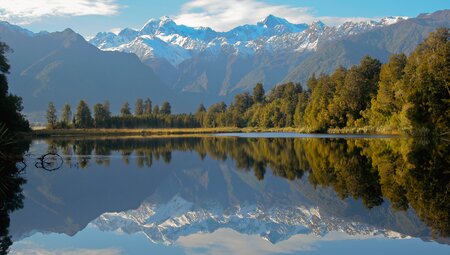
91,16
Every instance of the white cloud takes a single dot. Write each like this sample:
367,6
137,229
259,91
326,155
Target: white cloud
223,15
27,11
227,241
32,248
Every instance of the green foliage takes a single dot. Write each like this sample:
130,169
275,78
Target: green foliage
409,94
405,173
390,98
52,119
83,117
102,116
66,116
428,77
125,111
406,94
139,107
258,93
148,106
166,108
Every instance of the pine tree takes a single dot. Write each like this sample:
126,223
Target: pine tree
139,107
83,117
148,106
156,110
125,111
166,108
66,116
52,119
258,93
101,116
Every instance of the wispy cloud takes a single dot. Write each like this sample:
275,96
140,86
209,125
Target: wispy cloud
27,11
227,14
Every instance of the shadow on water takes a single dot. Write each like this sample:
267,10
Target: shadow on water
11,180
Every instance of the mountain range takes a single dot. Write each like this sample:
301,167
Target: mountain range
185,65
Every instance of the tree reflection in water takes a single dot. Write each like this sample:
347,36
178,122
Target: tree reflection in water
11,181
407,172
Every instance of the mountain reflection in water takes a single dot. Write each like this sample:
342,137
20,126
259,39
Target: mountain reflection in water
275,188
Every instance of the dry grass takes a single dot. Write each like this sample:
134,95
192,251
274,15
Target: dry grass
130,132
194,131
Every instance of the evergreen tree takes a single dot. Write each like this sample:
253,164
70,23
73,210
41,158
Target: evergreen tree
83,117
166,108
52,119
258,93
101,116
148,106
201,109
107,109
66,116
156,110
10,105
139,107
125,111
200,114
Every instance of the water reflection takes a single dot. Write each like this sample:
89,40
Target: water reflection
276,188
11,181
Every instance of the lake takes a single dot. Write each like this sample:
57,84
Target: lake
232,194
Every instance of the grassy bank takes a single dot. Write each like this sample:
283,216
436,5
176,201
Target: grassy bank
130,132
191,131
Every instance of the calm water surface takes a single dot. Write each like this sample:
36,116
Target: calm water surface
254,194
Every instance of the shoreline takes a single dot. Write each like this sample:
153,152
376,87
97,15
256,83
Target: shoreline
43,133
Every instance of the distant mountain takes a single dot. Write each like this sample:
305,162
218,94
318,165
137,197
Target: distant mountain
188,66
219,64
62,67
380,43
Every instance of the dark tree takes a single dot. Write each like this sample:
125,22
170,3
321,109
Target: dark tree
52,119
148,106
83,117
66,116
156,110
10,105
101,116
125,110
166,108
139,107
258,93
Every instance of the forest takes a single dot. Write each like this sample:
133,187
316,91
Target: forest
408,94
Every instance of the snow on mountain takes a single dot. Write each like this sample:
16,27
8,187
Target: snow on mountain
163,38
165,223
151,47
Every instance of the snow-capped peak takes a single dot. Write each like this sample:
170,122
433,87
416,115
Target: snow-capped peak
270,34
392,20
272,21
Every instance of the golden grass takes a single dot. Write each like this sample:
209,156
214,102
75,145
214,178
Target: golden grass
130,132
193,131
